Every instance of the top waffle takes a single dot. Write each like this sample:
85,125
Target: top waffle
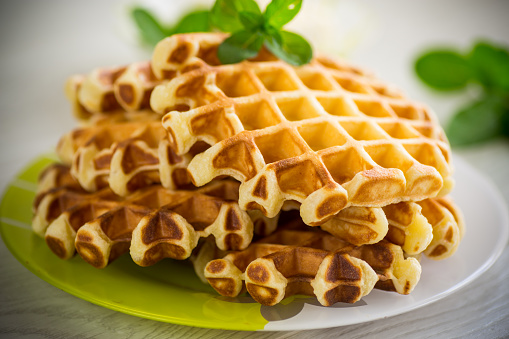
111,90
327,135
123,92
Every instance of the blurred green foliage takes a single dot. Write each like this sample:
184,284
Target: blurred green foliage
486,65
152,31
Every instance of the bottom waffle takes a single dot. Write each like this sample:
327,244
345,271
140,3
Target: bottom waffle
166,223
300,260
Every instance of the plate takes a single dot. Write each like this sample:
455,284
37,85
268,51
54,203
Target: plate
169,291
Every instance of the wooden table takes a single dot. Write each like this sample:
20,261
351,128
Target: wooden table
44,42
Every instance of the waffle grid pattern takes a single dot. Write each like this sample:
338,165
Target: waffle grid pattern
99,225
267,117
270,269
124,156
111,90
350,152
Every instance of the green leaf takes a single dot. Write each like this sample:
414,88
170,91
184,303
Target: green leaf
479,122
251,21
279,12
505,122
197,21
225,13
490,64
272,33
240,46
289,47
150,30
443,69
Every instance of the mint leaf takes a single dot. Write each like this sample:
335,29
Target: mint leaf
150,30
197,21
251,29
240,46
289,47
443,69
279,12
479,122
251,21
491,65
225,13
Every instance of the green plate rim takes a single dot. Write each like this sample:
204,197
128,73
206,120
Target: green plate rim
77,292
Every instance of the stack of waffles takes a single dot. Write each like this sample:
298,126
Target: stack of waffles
319,180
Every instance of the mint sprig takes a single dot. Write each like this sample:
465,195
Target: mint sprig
486,66
251,30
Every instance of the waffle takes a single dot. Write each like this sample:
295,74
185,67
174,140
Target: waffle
91,94
312,262
133,87
168,223
72,91
125,89
211,210
448,227
408,227
53,176
111,89
181,53
353,140
356,225
432,226
60,211
125,156
53,181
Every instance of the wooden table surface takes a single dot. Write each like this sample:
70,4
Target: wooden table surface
42,43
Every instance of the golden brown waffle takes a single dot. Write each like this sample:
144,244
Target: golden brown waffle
169,223
53,176
350,139
111,90
60,211
133,88
71,90
211,210
184,52
53,181
432,226
408,227
448,227
126,156
126,89
358,225
93,93
312,262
